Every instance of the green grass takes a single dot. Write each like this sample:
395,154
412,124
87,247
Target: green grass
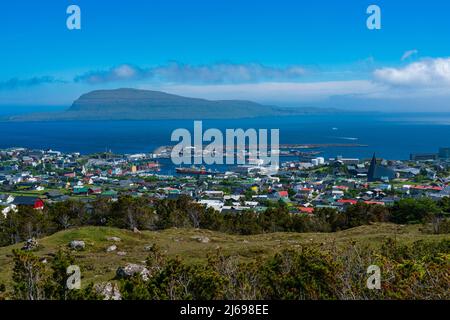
33,192
98,265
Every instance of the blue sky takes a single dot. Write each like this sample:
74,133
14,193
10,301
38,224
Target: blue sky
285,52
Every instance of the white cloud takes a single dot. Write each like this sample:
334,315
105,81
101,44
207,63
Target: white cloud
125,72
218,73
118,73
409,53
422,74
16,83
277,92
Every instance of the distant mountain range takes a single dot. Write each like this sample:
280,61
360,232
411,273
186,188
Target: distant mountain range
133,104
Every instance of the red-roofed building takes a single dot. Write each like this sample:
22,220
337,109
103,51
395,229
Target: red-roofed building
347,201
420,187
375,203
35,203
343,188
95,190
70,175
283,194
431,188
304,192
306,210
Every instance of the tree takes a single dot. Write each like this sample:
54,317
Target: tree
130,213
24,224
444,204
101,210
67,214
35,280
57,286
414,211
3,294
327,220
304,274
29,276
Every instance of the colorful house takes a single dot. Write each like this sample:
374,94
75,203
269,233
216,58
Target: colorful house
34,202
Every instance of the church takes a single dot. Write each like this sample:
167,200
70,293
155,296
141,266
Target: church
378,172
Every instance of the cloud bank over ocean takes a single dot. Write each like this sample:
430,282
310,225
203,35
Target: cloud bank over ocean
218,73
392,86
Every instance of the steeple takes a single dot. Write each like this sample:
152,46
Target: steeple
372,169
374,159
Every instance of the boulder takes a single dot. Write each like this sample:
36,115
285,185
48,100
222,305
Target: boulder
108,290
132,269
201,239
136,230
121,253
111,248
115,239
77,244
30,244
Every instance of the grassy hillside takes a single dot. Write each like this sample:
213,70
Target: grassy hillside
98,265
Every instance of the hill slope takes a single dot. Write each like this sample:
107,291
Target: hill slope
98,265
133,104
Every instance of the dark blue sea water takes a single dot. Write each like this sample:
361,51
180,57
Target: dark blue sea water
392,136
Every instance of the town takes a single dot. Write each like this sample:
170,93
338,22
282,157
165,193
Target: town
36,178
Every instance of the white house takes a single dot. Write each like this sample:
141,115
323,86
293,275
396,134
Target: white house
8,209
6,199
215,204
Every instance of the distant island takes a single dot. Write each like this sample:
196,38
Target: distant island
134,104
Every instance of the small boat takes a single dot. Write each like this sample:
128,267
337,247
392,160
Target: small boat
193,170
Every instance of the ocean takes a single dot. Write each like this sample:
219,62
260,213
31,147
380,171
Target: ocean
389,135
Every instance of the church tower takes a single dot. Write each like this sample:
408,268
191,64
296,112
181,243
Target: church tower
371,176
